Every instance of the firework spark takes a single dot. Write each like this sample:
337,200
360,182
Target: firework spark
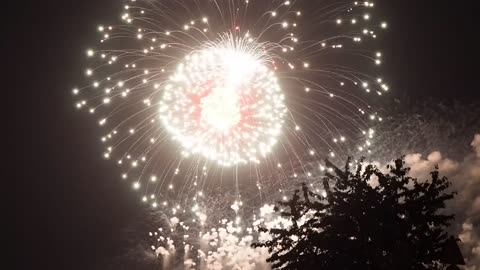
184,90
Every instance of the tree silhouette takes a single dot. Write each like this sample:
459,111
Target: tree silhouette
367,220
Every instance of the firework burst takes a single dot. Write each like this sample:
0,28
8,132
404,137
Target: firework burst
189,92
224,102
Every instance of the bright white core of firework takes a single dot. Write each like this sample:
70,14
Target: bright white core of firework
225,103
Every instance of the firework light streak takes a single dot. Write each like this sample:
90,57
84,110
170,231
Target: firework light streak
187,92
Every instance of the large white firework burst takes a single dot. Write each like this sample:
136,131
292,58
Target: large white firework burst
191,91
225,102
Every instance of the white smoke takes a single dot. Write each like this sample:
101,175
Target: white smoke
465,177
226,246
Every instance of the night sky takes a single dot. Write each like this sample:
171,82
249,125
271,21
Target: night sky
69,204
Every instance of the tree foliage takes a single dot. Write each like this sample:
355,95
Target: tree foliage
367,220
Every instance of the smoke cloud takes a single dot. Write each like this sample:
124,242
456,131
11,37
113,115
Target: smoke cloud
465,177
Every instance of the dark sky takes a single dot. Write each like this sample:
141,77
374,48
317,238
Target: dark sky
68,204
